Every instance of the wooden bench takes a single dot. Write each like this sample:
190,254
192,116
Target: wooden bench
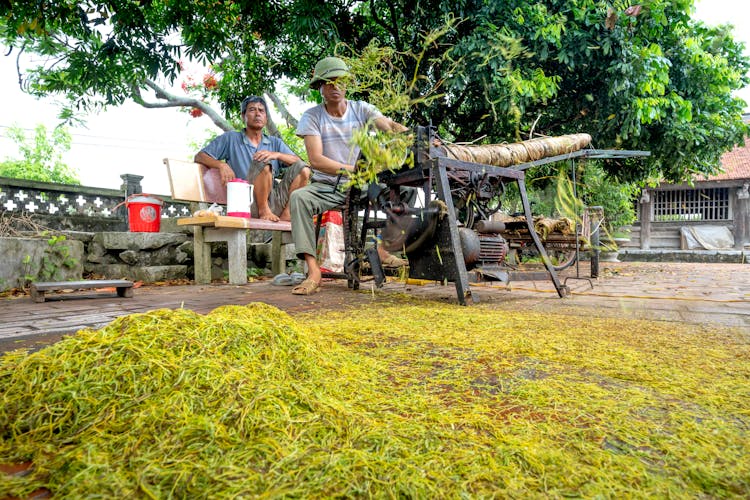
193,182
124,288
233,231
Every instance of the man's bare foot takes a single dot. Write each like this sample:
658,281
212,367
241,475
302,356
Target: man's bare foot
268,215
285,215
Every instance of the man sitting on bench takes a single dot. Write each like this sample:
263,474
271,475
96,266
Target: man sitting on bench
254,156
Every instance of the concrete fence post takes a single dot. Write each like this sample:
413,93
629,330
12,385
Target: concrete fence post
131,184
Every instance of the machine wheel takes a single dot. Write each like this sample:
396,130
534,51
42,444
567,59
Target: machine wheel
561,259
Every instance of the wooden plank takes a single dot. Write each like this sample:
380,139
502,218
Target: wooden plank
185,180
235,222
37,290
196,221
81,284
268,225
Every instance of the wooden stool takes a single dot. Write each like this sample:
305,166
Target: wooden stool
37,290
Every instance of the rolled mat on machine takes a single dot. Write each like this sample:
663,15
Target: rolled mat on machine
504,155
542,225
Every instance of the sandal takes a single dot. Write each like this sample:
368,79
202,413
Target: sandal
307,287
297,278
393,262
282,279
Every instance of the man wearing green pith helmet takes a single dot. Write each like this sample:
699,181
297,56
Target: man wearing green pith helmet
327,130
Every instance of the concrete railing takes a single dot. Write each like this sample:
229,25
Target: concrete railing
65,206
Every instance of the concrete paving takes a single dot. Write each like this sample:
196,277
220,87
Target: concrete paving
683,292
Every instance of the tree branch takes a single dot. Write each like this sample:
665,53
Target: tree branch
390,29
18,69
291,121
175,101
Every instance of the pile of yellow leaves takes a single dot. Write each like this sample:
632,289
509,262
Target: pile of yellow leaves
408,399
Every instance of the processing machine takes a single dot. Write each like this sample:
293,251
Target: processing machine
451,238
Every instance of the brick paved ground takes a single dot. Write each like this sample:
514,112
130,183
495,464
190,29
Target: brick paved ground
684,292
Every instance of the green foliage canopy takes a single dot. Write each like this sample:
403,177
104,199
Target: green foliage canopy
40,156
635,77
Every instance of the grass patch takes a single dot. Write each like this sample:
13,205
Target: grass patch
415,399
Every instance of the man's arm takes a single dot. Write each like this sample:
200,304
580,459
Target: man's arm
314,147
225,171
387,125
286,158
278,150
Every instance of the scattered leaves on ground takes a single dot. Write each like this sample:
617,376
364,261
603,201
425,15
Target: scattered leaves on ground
408,399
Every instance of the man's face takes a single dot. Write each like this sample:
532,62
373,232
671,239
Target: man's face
332,91
255,115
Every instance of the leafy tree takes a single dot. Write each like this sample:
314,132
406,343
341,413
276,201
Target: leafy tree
41,156
637,77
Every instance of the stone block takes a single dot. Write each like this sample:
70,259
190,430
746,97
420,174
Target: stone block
147,274
95,252
186,248
163,256
83,236
23,257
131,257
169,225
260,253
138,241
290,252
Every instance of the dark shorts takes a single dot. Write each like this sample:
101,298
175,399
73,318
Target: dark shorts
279,197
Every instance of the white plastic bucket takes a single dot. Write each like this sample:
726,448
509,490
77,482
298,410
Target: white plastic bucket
239,198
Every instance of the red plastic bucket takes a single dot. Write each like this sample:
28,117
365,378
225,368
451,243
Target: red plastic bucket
144,213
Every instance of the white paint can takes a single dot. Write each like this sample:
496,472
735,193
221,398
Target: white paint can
239,198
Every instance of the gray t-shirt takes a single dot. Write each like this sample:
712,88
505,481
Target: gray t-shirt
336,133
237,150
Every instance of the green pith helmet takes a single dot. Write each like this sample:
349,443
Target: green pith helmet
326,69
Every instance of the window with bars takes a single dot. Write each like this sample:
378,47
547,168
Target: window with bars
706,204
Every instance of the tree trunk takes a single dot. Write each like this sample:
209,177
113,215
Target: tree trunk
271,127
291,121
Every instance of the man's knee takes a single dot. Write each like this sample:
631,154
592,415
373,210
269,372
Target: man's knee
305,174
258,170
302,171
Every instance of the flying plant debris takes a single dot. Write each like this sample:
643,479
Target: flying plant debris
381,151
248,402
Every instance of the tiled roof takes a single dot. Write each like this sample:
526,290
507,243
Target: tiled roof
735,163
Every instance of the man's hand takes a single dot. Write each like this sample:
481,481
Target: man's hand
226,172
387,125
265,155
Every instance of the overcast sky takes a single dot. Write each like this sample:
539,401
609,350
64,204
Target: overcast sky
131,139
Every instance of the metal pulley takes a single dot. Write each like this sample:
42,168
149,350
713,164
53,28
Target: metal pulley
407,229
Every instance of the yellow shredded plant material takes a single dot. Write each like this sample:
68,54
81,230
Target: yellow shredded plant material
544,226
400,398
564,225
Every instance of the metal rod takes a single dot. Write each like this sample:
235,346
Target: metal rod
578,230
